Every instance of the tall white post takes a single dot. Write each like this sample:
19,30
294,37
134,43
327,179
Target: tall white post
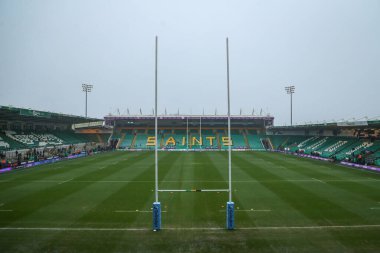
156,205
86,103
200,133
230,216
229,123
187,132
155,127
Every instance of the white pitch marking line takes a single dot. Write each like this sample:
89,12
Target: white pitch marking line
6,210
135,211
193,190
66,181
313,227
192,181
249,210
375,208
319,180
194,228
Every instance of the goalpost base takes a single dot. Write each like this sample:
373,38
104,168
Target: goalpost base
230,216
156,216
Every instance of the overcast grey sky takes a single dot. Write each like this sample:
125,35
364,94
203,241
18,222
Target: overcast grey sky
328,49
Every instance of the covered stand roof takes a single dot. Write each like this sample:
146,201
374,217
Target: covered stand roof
181,120
8,113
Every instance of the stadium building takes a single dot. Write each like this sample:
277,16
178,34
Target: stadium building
184,132
24,129
337,140
28,135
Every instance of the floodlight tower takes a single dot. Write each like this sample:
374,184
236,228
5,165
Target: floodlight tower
86,88
290,90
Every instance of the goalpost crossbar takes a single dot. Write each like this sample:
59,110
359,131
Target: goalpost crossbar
193,190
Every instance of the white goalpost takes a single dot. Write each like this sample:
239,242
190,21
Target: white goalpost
156,203
230,221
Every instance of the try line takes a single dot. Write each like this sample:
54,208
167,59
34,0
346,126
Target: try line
188,181
342,227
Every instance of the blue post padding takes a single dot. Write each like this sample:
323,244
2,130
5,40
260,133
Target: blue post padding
230,215
156,216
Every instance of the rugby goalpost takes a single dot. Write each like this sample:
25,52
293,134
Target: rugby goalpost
230,220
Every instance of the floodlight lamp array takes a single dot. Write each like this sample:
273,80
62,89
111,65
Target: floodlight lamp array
87,87
290,89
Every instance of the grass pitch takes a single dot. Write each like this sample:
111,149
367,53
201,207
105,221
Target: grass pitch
103,204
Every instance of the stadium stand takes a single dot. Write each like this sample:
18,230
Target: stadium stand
103,138
140,142
11,140
238,139
333,147
12,144
353,149
126,141
278,141
196,141
178,138
336,147
210,139
136,132
3,144
254,141
307,142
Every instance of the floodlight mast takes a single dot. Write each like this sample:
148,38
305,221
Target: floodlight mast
86,88
290,90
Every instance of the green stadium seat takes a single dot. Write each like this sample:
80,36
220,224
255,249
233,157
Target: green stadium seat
254,141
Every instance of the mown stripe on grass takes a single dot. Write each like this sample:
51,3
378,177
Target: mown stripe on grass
130,196
169,167
36,200
244,199
351,187
205,205
48,171
319,211
42,171
304,201
21,190
67,210
221,165
258,196
328,167
202,182
177,201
